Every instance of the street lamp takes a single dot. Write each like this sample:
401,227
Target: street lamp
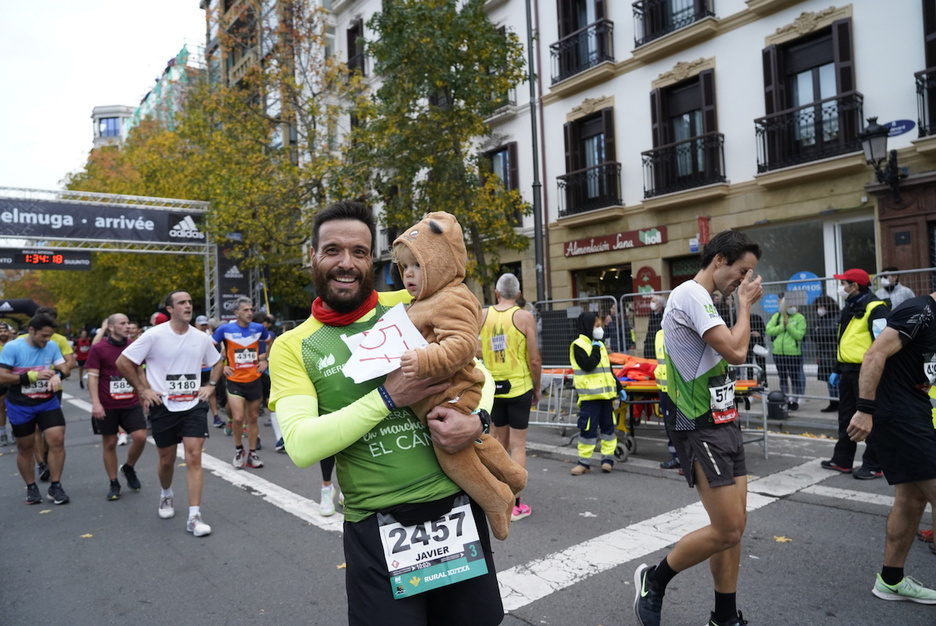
874,143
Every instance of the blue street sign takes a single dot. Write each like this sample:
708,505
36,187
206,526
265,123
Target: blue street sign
813,289
899,127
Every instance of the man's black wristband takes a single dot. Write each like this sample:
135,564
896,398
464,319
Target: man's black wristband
385,396
59,372
866,406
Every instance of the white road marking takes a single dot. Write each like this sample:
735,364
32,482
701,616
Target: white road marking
532,581
303,508
853,496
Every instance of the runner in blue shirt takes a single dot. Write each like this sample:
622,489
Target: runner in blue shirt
34,369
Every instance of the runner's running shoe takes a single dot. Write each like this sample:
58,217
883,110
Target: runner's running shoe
648,600
32,494
57,495
114,492
327,503
239,457
166,507
43,469
925,535
218,422
197,527
280,445
130,474
520,511
253,460
737,620
4,440
909,589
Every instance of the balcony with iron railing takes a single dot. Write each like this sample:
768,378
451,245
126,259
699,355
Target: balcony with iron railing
657,18
819,130
589,189
926,102
583,49
683,165
239,68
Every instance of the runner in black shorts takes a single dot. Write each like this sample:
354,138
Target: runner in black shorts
114,404
895,415
175,353
251,392
33,368
513,412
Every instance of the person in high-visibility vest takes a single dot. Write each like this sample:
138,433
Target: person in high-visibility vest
596,388
660,374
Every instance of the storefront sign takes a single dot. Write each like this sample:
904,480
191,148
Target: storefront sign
704,230
813,288
617,241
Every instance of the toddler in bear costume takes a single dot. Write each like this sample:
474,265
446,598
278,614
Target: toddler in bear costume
431,257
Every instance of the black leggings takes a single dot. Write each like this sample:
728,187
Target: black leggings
328,465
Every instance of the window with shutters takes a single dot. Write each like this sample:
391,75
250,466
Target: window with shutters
585,38
503,162
926,79
813,109
688,150
593,176
656,18
356,47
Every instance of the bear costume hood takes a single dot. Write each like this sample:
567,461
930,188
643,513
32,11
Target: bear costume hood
438,244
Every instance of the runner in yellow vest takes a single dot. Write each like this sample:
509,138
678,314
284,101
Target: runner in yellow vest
511,355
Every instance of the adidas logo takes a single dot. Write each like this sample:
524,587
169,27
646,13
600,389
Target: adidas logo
326,362
6,306
186,229
233,273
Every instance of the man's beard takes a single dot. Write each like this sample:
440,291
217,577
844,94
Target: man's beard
340,303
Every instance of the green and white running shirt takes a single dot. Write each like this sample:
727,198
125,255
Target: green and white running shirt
384,458
691,364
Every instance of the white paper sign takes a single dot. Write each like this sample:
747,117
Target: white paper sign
377,351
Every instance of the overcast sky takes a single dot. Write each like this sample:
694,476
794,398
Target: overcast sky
61,58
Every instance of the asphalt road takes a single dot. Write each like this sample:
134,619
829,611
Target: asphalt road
813,544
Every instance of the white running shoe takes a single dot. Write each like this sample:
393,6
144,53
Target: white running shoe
327,504
239,457
253,460
197,527
166,507
121,439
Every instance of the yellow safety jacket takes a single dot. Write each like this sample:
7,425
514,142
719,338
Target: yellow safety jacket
856,339
660,372
598,384
504,349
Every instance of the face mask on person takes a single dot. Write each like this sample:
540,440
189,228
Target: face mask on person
654,306
843,291
821,312
885,282
598,333
791,310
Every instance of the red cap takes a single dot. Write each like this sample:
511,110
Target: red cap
162,318
856,276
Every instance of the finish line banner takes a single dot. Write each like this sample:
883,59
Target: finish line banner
91,221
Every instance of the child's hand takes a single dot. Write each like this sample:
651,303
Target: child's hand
409,362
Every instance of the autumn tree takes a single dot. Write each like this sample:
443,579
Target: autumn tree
445,68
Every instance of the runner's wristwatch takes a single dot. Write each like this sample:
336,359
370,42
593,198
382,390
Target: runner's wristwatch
485,418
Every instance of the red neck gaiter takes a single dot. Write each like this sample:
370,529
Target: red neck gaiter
333,318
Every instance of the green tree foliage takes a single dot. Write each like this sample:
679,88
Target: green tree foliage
445,69
263,151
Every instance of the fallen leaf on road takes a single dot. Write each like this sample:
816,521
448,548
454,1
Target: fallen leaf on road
782,539
45,511
181,465
587,514
342,566
86,536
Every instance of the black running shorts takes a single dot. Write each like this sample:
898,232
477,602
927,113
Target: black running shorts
514,412
44,420
251,392
719,449
905,447
170,427
130,419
